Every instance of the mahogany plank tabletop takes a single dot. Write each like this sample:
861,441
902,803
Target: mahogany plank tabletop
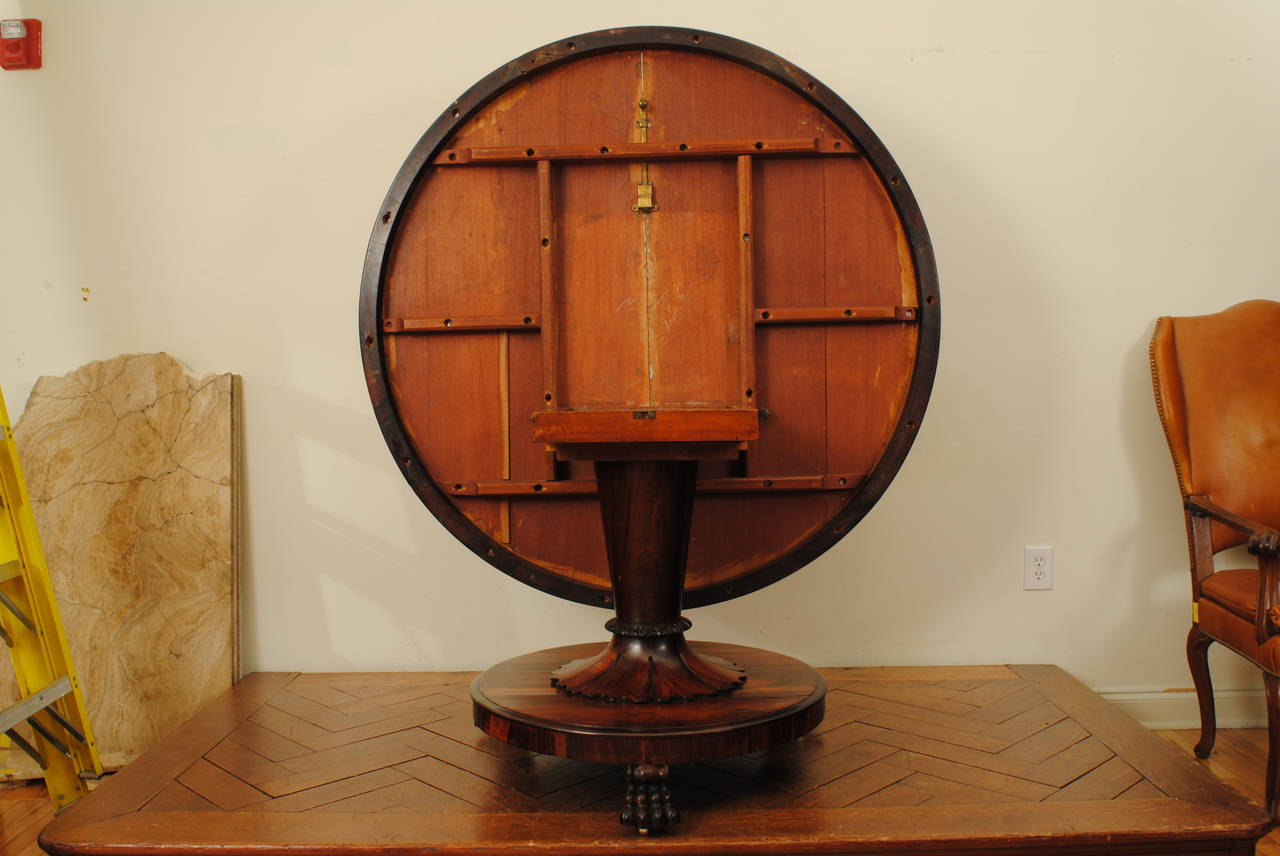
958,760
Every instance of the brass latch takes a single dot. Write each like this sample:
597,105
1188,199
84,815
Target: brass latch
644,198
644,189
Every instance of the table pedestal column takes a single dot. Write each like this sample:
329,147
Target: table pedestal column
647,508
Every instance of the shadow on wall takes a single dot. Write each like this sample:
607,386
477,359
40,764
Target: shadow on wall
908,581
316,491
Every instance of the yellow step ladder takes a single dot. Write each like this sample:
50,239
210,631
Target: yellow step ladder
52,703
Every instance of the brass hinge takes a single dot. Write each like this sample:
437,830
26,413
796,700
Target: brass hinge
644,198
1195,612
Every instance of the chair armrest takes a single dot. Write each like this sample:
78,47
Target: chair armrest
1263,543
1201,506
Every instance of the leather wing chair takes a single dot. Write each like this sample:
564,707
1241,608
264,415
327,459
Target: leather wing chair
1217,388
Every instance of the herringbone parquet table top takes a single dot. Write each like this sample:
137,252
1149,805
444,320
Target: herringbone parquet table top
939,754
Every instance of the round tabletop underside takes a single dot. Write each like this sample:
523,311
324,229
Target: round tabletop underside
782,699
643,220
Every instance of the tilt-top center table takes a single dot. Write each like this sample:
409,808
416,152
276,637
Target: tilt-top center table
663,281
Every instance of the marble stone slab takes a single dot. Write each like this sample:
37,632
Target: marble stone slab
131,468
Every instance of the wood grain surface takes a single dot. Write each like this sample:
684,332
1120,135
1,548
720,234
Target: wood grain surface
25,809
954,760
130,467
683,226
1239,760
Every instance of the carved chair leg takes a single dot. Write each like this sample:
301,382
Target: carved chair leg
648,799
1272,684
1198,643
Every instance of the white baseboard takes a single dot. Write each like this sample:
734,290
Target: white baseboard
1167,709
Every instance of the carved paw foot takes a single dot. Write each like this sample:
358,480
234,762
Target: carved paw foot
647,804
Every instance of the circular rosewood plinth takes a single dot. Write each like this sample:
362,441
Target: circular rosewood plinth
515,702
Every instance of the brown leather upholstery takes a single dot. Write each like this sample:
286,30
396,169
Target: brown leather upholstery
1217,379
1237,633
1237,590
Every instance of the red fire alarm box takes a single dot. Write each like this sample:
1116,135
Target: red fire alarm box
20,43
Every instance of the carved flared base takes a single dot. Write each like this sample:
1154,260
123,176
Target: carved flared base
648,669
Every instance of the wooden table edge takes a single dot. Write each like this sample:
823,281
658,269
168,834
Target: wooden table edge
976,828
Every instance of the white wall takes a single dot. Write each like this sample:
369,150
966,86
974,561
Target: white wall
211,171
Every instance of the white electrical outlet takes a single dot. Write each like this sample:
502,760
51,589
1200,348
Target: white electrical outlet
1037,568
